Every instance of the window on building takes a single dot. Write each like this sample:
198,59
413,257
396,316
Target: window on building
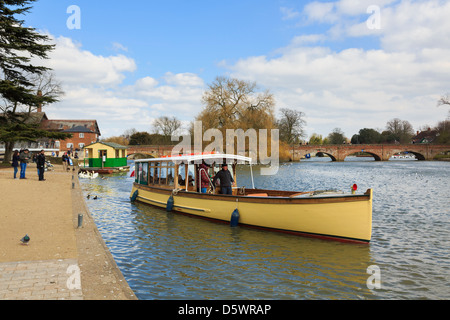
81,145
69,145
81,135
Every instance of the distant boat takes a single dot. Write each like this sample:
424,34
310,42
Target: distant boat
334,215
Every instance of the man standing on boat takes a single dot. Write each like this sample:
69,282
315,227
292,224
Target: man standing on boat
225,178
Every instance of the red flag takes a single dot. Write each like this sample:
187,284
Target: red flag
132,174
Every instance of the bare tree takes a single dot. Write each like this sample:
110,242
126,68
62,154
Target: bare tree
444,100
401,130
291,125
166,126
47,86
128,133
233,103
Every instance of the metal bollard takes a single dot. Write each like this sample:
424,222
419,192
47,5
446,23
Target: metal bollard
80,221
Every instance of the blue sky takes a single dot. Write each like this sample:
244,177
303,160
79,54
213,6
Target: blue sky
133,62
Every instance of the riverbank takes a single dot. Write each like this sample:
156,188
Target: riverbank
61,260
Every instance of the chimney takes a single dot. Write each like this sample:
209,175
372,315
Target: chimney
39,108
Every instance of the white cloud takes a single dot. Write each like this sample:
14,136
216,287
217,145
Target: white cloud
94,89
119,47
355,88
72,64
288,13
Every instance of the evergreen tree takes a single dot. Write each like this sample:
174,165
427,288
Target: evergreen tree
18,45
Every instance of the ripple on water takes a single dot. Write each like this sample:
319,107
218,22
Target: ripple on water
170,256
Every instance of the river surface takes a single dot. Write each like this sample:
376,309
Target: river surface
170,256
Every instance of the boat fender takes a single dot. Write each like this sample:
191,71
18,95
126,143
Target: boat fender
134,196
170,204
234,218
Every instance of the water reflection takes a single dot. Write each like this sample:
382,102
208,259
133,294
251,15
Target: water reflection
170,256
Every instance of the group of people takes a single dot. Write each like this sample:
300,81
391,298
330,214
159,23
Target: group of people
22,158
224,176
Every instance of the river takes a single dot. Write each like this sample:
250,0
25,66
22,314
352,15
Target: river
170,256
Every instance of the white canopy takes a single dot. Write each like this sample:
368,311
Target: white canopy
207,157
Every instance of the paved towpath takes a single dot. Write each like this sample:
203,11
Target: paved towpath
61,260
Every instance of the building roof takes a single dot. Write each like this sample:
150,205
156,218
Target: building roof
425,136
30,118
63,125
109,144
77,129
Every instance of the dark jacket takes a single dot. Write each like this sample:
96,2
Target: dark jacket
15,161
24,157
40,160
225,178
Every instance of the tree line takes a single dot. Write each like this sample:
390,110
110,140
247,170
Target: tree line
228,103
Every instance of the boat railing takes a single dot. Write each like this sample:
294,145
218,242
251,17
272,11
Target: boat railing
206,173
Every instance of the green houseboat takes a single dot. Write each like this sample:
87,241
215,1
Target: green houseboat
105,157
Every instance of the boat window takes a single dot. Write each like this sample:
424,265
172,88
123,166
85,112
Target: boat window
162,173
191,173
171,176
142,173
181,175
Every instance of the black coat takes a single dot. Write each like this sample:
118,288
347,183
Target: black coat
225,178
40,160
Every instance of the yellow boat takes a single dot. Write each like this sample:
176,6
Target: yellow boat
161,182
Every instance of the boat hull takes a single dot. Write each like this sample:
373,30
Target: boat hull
344,217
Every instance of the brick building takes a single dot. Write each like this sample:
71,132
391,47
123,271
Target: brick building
84,132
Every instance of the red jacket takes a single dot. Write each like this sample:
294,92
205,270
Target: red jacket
204,179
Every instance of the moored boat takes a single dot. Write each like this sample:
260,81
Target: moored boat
174,183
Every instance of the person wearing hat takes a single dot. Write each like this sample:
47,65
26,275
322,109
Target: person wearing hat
225,178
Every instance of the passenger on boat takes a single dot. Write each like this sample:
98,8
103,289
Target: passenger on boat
204,179
225,178
180,180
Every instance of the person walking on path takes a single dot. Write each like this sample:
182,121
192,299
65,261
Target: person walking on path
225,180
24,158
15,162
65,160
40,161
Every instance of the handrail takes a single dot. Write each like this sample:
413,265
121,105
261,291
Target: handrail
200,178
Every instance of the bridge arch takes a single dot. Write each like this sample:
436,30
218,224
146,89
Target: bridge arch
375,156
322,153
138,155
418,155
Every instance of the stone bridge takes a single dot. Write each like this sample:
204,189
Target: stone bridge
150,151
381,152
